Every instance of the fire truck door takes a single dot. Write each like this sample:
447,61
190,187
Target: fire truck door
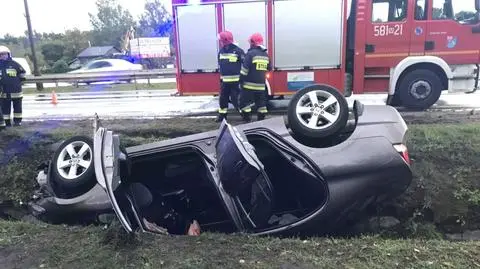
388,35
451,31
418,31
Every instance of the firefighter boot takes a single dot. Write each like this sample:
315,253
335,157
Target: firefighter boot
221,117
261,116
246,116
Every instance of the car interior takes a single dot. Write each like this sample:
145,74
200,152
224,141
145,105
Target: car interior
182,189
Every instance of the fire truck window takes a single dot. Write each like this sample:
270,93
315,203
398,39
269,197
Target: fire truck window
197,32
234,21
389,10
315,41
459,10
420,10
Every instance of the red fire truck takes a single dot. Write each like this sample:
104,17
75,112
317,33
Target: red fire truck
411,49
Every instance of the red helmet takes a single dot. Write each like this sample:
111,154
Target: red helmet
256,39
226,38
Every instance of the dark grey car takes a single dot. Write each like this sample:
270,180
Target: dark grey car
267,177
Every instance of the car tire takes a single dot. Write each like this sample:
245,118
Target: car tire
82,160
301,110
412,86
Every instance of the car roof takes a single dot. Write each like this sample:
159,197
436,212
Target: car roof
113,61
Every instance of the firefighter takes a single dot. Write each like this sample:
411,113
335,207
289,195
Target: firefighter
230,58
252,79
12,75
2,121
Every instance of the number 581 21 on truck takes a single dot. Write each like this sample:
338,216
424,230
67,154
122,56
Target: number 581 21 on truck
410,49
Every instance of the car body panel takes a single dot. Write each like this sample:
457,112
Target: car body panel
107,170
107,65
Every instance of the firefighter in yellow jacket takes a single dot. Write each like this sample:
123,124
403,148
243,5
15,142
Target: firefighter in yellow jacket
12,76
252,79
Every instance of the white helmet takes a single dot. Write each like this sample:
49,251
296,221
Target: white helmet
4,49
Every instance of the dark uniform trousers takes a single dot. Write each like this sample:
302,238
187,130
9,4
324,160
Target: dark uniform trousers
2,121
6,101
228,91
249,97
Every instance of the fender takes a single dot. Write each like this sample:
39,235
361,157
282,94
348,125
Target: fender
409,61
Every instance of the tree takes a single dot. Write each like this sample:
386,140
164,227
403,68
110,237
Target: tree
52,52
75,41
110,23
156,20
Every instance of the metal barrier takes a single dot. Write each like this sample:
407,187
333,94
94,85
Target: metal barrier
102,76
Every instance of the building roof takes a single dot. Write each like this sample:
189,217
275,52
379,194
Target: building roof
96,51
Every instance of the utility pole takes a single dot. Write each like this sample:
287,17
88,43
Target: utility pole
32,45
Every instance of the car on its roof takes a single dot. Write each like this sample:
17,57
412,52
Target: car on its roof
314,171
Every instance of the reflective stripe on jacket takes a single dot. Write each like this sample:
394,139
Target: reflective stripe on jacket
12,76
254,69
230,60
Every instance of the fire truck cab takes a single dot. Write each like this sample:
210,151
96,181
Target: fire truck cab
410,49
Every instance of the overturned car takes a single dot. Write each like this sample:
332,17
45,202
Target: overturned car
313,171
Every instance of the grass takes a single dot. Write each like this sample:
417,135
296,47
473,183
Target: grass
25,245
444,195
104,87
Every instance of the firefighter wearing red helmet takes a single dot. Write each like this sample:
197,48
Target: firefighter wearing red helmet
230,58
12,76
252,79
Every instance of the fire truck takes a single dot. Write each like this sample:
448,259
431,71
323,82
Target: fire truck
413,50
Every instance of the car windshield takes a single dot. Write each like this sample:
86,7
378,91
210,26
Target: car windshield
459,10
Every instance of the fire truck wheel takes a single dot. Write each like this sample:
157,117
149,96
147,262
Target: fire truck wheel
318,111
420,89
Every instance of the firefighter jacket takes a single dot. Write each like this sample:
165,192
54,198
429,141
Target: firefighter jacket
230,60
256,64
12,75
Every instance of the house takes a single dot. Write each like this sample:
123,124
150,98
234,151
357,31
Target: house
93,53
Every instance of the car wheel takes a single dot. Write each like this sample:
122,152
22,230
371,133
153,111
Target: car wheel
420,89
317,111
73,163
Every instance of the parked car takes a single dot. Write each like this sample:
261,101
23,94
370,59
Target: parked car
106,66
314,170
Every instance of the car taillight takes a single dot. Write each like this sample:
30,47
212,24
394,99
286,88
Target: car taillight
403,150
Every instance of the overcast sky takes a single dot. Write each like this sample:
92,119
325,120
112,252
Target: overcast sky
57,15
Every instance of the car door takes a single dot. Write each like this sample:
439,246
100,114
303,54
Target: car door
240,173
107,171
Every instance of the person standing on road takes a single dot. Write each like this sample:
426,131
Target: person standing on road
230,58
252,79
12,75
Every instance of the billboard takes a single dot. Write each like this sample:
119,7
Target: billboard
150,47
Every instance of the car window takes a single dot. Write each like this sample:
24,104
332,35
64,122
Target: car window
99,65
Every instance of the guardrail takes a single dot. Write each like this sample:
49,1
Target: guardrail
102,76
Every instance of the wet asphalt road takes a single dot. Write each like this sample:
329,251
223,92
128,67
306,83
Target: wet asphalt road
155,104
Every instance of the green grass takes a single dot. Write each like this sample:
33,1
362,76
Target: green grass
444,193
103,87
445,163
25,245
